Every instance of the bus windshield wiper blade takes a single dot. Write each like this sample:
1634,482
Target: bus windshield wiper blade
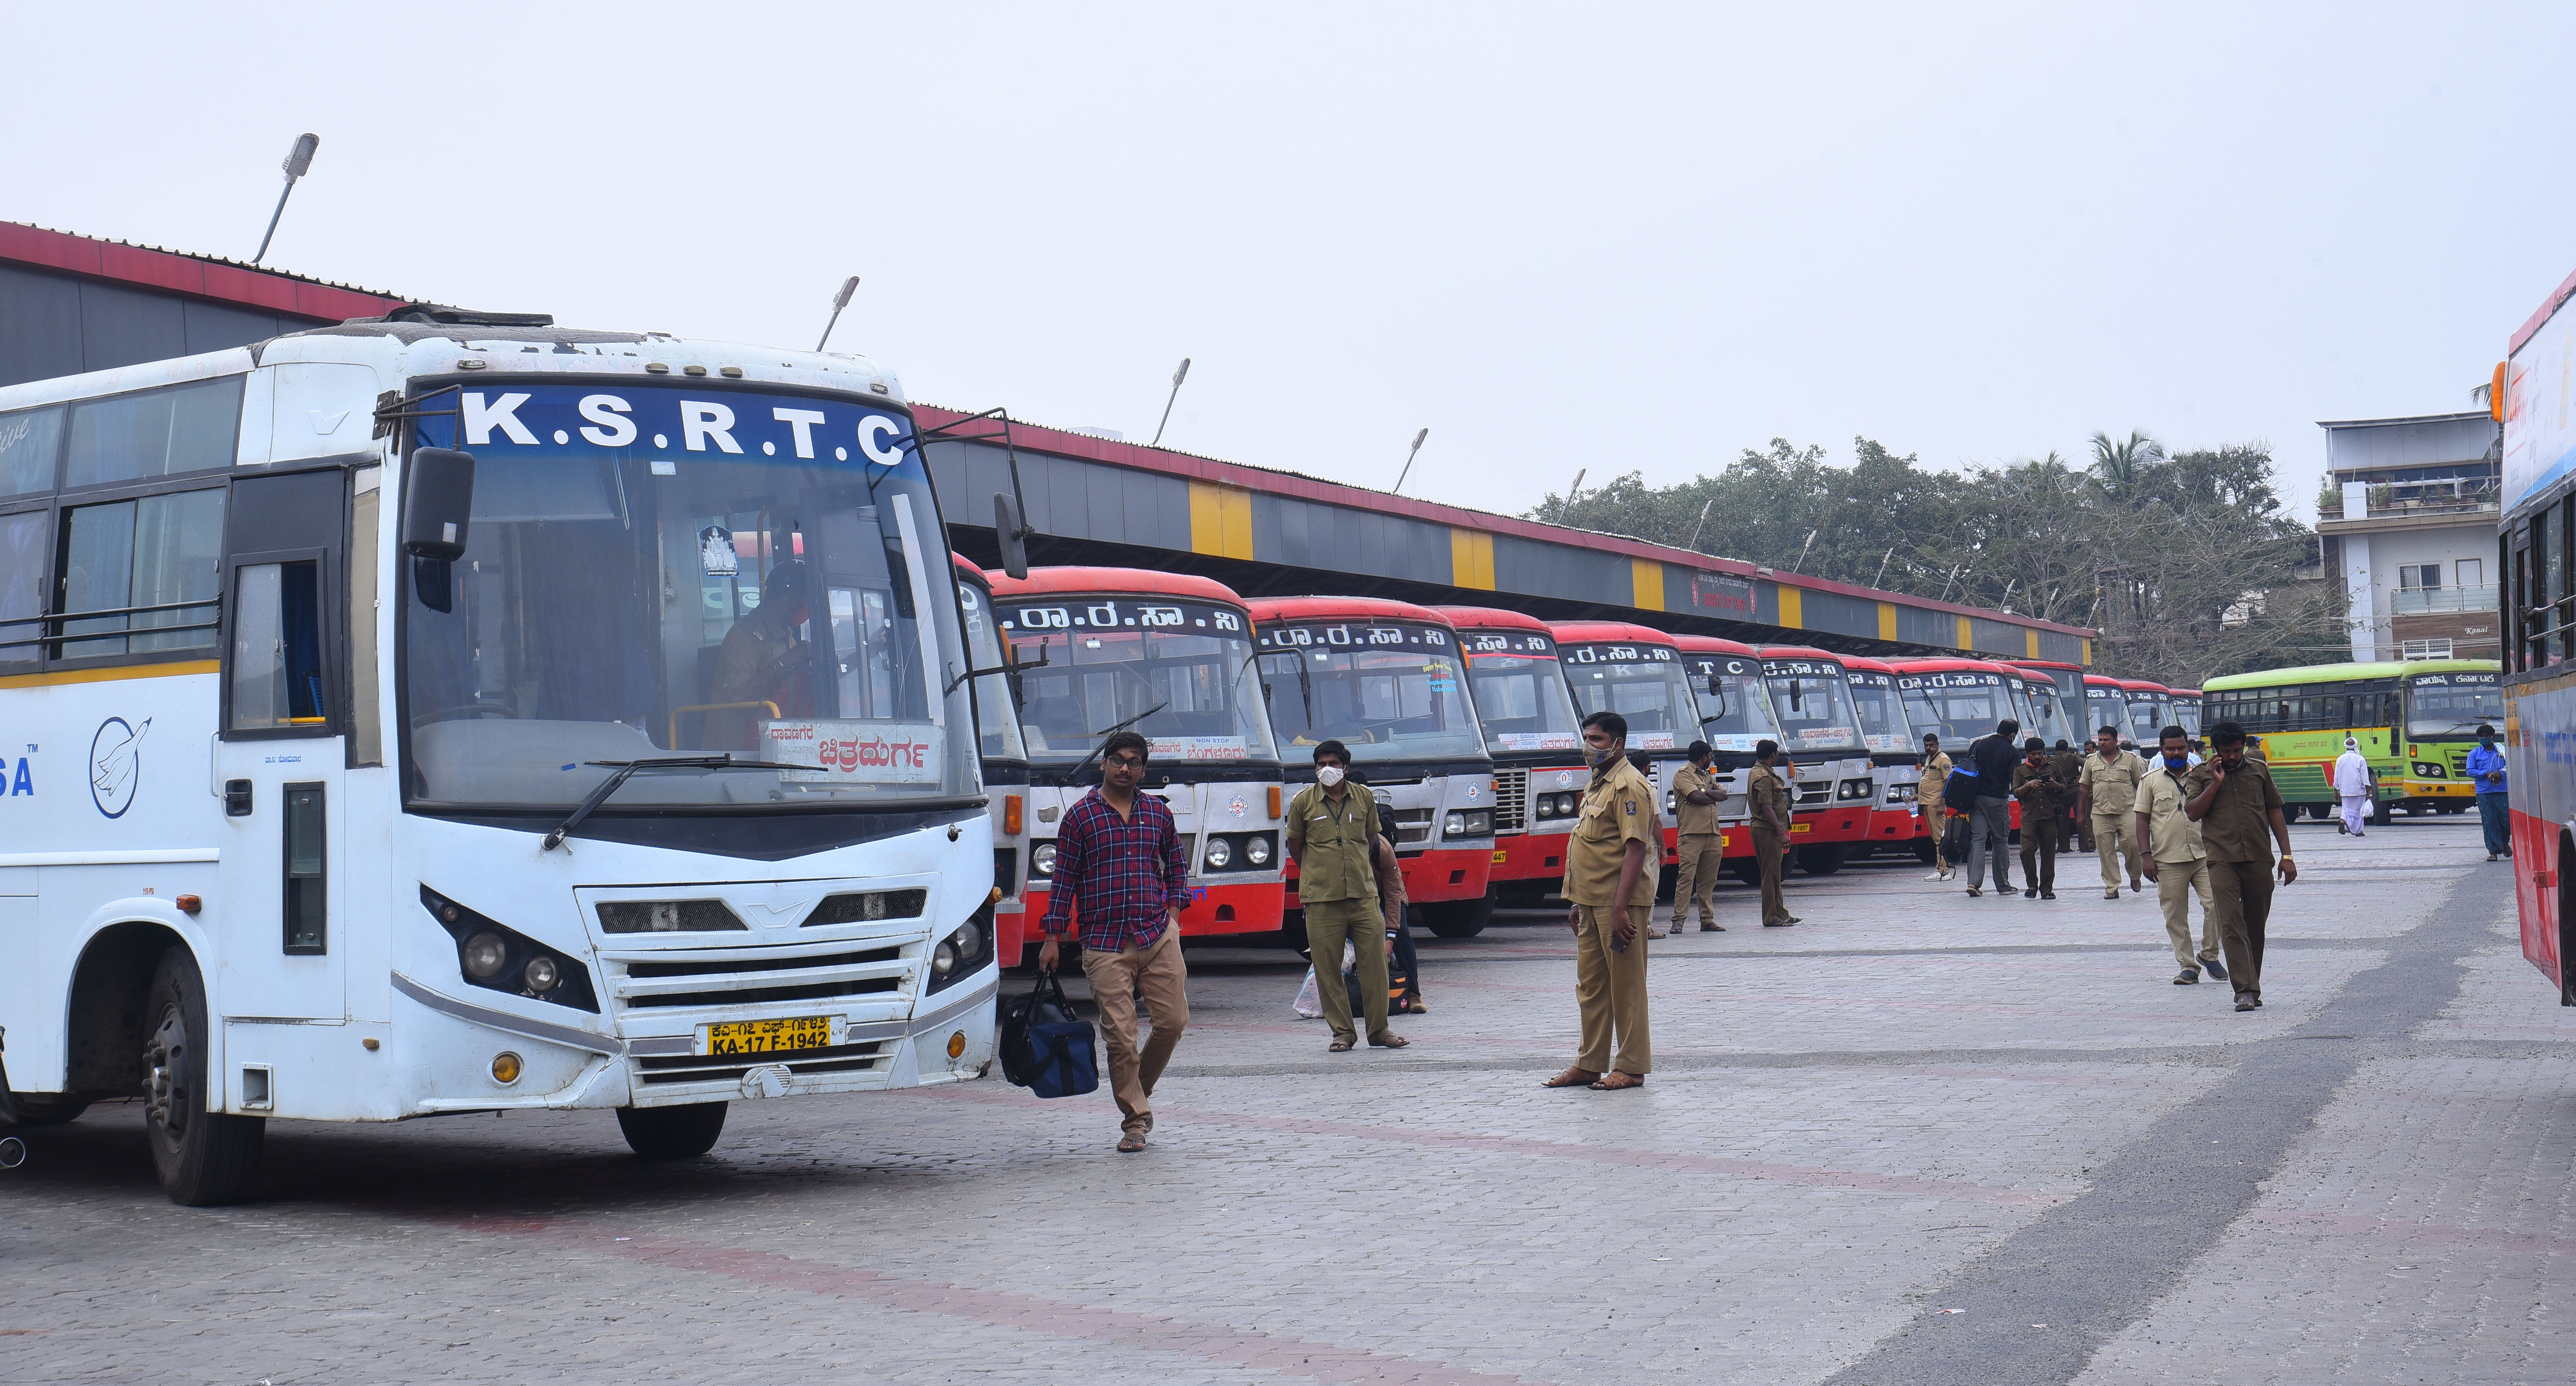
626,770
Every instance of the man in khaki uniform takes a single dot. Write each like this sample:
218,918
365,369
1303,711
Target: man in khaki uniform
1610,882
2235,802
1332,836
1770,831
2107,799
1928,785
2176,861
1700,843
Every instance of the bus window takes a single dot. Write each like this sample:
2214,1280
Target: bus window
2456,709
154,433
1522,702
30,444
1192,696
277,646
22,587
1382,703
1734,702
159,550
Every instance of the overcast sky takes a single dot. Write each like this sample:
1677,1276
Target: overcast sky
1560,236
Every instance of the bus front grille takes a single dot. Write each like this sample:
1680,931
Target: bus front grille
1412,827
1511,800
735,980
729,1068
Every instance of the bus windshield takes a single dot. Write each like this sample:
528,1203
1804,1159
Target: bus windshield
2048,719
1642,683
2187,716
1958,705
1813,700
1883,723
1734,700
1176,672
751,572
1387,690
2146,717
2105,708
997,725
2440,706
1520,697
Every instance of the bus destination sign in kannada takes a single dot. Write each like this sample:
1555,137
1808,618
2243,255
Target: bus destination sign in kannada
1357,635
1121,613
1610,653
1528,644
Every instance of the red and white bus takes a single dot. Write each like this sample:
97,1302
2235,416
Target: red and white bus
2049,718
2539,610
1734,716
1005,755
1836,787
1532,733
1960,700
1637,672
1895,756
1386,679
2186,711
2150,709
2106,704
1170,656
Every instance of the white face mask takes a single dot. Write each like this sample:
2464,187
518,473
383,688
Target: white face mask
1328,775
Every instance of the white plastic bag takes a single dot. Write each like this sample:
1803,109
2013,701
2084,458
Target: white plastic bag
1310,1002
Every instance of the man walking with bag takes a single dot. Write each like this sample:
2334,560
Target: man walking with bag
1120,872
1699,842
2352,787
1332,836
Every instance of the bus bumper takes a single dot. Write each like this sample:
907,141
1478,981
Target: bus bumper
1533,857
1444,874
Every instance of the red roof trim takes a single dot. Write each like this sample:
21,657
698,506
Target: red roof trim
2142,685
1195,468
1146,582
2540,316
1269,610
1605,632
198,276
1939,664
1489,618
1867,665
1796,652
1711,644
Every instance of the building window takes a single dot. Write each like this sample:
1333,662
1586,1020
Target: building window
2472,572
2414,575
2426,649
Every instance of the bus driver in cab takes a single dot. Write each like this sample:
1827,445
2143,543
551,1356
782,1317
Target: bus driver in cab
763,660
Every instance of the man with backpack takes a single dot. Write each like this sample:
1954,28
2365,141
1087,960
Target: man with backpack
1983,787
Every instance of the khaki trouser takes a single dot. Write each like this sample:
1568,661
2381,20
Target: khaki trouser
2115,835
1328,922
1157,971
2242,904
2038,850
1766,853
1703,855
1610,989
2175,882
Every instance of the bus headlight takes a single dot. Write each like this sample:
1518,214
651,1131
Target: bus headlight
2426,770
1854,789
485,955
1480,822
1042,859
1455,825
943,961
958,955
541,974
1220,854
1257,849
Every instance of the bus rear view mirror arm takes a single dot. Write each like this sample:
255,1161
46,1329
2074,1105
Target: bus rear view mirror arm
438,500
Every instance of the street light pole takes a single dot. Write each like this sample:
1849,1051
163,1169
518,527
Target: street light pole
1693,545
1568,508
840,301
1408,459
1177,377
299,161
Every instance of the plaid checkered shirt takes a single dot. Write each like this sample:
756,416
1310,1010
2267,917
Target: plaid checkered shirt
1119,878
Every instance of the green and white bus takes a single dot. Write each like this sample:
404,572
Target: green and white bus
2415,720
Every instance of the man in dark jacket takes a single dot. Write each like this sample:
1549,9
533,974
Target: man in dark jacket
2043,803
1990,821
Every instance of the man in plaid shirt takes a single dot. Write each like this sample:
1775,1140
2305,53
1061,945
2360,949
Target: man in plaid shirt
1120,872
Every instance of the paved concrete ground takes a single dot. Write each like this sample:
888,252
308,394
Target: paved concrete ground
1918,1138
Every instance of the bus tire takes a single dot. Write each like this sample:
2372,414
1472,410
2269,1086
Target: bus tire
1667,880
2379,814
1745,870
1924,849
672,1133
1463,919
1822,860
203,1157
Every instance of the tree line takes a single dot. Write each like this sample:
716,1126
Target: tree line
2185,561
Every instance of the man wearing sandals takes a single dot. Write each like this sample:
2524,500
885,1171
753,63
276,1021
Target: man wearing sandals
1611,887
1332,836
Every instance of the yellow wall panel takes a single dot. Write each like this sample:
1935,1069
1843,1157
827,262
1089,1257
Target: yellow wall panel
1645,584
1220,520
2088,653
1471,559
2030,640
1967,635
1887,620
1793,607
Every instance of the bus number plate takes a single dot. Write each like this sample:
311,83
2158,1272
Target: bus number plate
768,1036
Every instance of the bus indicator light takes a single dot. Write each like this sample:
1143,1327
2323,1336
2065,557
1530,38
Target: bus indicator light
505,1068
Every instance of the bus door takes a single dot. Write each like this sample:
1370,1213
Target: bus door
279,758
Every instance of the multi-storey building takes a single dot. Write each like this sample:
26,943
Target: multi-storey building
2408,523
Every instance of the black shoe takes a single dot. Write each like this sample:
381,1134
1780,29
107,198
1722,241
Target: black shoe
2048,895
1974,892
2258,1001
2244,1005
2031,894
2217,970
2189,976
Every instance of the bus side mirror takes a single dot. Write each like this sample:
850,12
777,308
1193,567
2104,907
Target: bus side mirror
1013,533
438,498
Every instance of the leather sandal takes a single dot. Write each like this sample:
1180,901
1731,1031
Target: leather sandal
1389,1040
1339,1046
1615,1081
1131,1142
1572,1078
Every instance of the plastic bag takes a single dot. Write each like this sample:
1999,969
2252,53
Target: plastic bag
1310,1002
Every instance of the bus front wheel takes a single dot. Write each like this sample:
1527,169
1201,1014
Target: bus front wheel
1822,860
1461,919
672,1133
202,1156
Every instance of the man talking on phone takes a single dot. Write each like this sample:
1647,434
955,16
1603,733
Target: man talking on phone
2238,809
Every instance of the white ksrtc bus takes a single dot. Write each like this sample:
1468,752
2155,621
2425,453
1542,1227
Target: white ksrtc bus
625,761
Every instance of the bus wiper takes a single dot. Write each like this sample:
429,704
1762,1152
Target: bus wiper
1085,763
626,770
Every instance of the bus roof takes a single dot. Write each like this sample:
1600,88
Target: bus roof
969,571
2142,686
2184,692
1605,632
1489,618
2041,664
1867,665
1267,609
2347,673
1710,644
1141,581
2103,681
1796,652
1945,664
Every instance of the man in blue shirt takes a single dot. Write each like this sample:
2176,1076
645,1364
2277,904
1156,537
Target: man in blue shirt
2486,771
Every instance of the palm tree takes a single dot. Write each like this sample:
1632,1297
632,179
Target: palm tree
2119,468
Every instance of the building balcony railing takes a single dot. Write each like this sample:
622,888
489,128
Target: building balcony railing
2422,601
2384,504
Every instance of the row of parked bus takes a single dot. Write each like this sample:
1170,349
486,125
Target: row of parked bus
1464,720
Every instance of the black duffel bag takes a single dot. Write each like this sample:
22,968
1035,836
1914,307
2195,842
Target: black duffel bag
1046,1048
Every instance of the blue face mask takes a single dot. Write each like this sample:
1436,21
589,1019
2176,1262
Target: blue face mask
2178,764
